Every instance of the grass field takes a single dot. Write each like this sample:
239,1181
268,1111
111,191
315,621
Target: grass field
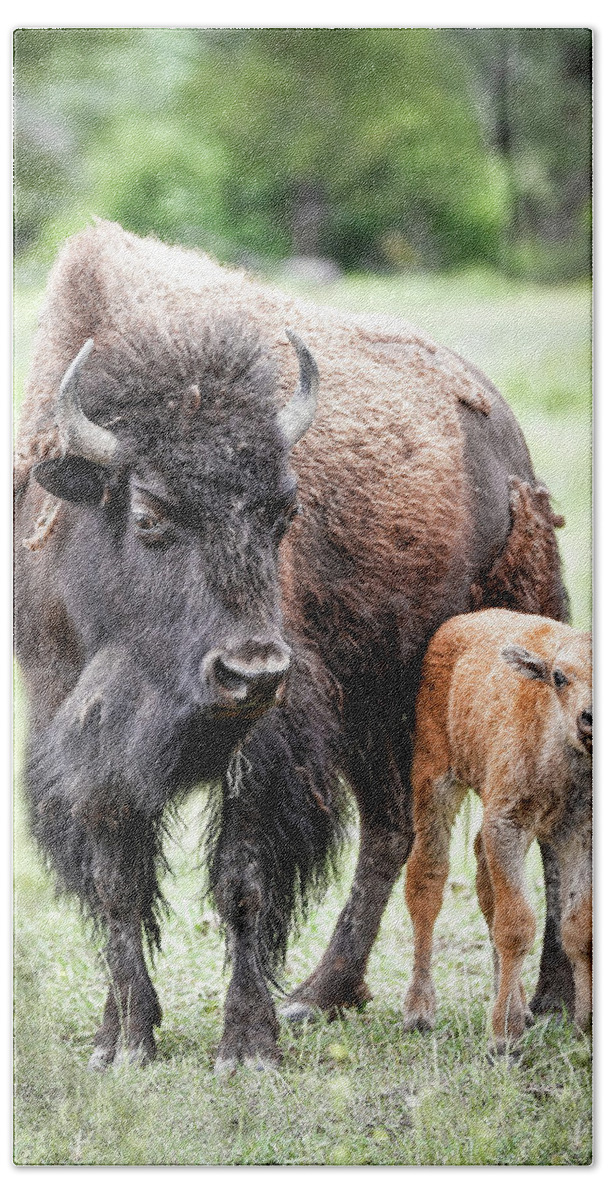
357,1090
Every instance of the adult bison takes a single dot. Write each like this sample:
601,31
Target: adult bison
174,626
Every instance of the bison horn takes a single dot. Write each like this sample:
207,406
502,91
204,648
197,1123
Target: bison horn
80,436
295,418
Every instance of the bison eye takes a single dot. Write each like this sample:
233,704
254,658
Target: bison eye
559,679
152,528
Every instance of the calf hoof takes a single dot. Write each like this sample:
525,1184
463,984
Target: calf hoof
415,1021
503,1051
419,1007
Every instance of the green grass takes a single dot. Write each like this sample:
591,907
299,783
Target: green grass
357,1090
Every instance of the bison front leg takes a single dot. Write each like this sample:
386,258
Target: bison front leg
381,785
250,1023
272,844
242,889
96,804
123,877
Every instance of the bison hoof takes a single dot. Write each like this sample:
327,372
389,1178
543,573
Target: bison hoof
123,1056
298,1011
253,1046
256,1062
226,1066
101,1059
550,1004
420,1006
554,992
135,1056
329,996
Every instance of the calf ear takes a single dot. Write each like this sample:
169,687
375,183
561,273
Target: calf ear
526,663
71,478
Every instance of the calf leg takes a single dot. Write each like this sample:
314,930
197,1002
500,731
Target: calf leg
576,937
485,896
576,927
555,987
513,923
436,803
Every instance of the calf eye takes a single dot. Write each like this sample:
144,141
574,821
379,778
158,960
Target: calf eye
285,517
280,512
559,678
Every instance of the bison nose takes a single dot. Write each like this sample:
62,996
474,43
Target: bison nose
584,727
248,676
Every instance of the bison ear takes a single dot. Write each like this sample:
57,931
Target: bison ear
526,663
71,478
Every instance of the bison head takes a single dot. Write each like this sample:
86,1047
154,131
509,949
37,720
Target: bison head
176,468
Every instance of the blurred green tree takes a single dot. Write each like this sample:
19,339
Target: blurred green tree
357,143
533,89
375,147
99,129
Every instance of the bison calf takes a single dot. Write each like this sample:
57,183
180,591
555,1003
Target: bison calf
504,708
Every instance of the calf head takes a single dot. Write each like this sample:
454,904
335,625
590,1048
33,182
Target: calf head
181,489
567,675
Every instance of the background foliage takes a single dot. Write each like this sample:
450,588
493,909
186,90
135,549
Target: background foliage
386,148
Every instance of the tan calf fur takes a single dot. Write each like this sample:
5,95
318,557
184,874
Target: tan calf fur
504,708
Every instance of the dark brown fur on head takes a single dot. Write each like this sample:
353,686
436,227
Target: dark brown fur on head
143,373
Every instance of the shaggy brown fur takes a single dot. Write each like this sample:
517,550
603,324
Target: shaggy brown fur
525,574
504,708
403,480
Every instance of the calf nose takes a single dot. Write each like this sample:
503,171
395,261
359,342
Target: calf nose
584,727
249,675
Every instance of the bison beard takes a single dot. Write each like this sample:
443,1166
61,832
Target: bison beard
149,594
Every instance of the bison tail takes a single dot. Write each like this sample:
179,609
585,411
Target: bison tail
528,574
